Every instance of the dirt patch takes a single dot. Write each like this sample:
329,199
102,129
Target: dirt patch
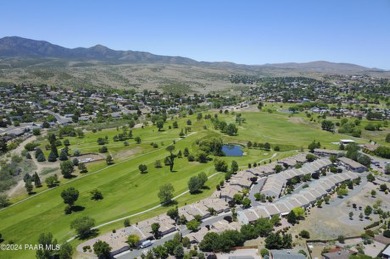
91,157
297,120
127,153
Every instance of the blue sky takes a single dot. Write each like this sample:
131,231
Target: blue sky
246,32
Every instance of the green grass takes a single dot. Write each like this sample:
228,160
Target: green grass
126,191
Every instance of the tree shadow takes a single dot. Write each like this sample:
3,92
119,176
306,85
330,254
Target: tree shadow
205,187
168,204
93,233
77,208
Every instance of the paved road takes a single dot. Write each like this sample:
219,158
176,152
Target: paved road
256,189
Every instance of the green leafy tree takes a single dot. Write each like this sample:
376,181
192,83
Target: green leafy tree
156,229
179,251
220,165
143,168
47,242
29,186
133,240
83,168
304,234
194,184
157,164
70,196
96,195
66,251
52,181
37,180
327,125
67,168
109,160
102,249
75,161
4,201
83,226
246,202
52,157
367,211
160,124
292,218
63,155
193,225
234,166
166,193
173,213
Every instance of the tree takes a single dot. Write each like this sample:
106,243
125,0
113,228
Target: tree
52,157
173,213
387,138
220,165
51,181
231,129
109,160
193,225
327,125
143,168
341,239
370,177
310,157
203,178
102,249
70,196
248,231
304,234
4,201
156,229
83,226
103,149
157,164
234,166
96,195
194,184
383,187
83,168
37,180
49,246
292,218
67,168
246,202
367,211
166,193
160,124
36,132
133,240
179,251
137,140
66,251
41,157
313,145
29,187
186,152
350,215
75,161
63,155
175,125
126,223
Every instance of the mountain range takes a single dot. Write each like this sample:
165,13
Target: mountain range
30,60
